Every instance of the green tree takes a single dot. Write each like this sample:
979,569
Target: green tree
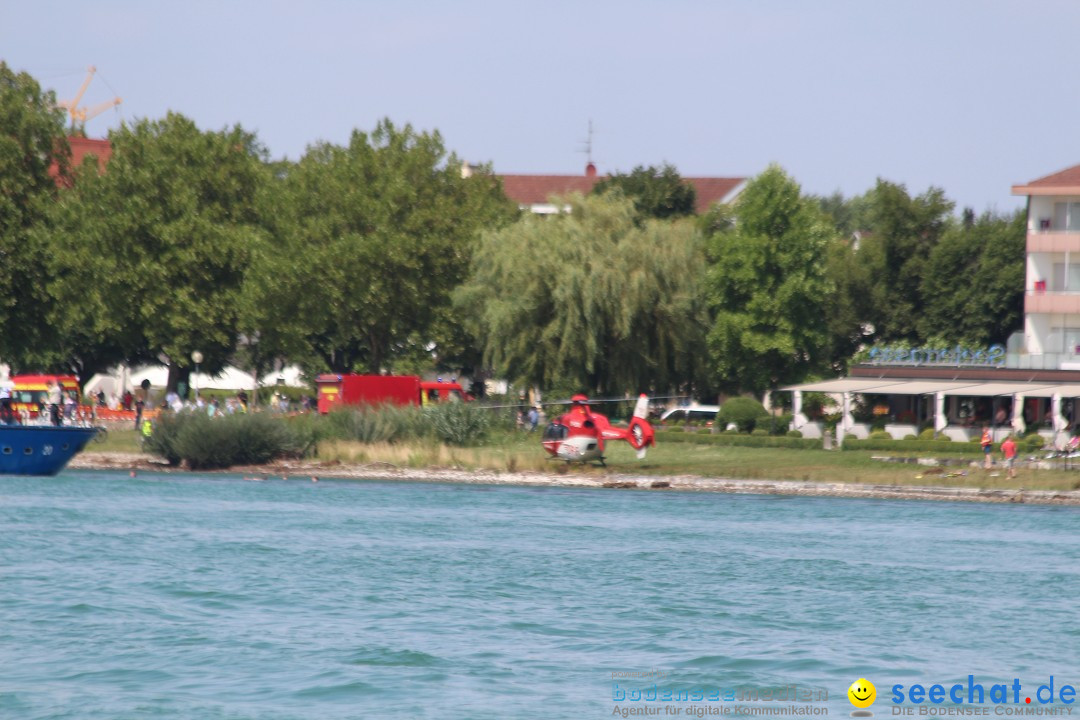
657,192
368,240
768,286
148,258
585,297
974,285
32,141
907,228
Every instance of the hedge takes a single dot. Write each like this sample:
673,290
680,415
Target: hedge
728,440
931,446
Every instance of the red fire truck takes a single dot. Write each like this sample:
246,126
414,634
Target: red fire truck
384,390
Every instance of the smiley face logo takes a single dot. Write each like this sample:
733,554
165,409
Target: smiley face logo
862,693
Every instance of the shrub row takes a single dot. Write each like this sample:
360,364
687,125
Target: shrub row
250,439
731,439
935,446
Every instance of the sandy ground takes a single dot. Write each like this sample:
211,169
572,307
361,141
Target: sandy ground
313,470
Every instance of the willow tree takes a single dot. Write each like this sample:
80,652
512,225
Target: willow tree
591,296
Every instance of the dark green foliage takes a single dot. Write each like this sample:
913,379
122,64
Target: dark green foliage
656,192
768,286
745,412
31,140
973,289
759,432
736,439
794,433
206,443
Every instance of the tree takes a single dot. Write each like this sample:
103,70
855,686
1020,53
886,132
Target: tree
656,192
908,229
585,297
974,285
367,242
768,287
148,258
32,142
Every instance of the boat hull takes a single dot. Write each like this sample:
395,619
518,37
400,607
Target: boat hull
40,449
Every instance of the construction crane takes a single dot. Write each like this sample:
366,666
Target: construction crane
82,114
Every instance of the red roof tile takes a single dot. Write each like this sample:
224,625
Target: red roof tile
536,189
1067,179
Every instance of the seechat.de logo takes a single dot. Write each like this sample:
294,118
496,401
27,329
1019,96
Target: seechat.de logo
862,694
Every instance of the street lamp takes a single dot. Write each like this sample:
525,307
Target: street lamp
196,357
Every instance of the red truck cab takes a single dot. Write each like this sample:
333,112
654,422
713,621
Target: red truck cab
376,390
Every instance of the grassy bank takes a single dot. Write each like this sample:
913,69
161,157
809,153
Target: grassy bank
518,452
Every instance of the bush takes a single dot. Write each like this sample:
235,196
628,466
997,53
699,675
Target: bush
1035,441
384,423
458,423
781,424
927,434
743,411
758,432
910,436
794,433
241,439
880,435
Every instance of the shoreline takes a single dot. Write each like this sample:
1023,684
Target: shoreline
303,469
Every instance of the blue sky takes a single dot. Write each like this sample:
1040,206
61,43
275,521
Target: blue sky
969,95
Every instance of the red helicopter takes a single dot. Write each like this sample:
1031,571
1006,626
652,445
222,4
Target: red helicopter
579,435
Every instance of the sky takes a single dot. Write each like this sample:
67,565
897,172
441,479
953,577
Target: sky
971,96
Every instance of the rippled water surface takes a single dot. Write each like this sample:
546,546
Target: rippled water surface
216,597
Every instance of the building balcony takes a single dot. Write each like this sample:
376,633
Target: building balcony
1055,303
1052,241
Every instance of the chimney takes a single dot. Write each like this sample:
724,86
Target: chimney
590,171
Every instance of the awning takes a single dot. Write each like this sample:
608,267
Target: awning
842,385
928,387
962,388
1071,390
1000,389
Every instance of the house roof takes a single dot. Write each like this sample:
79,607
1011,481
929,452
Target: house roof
1063,182
536,189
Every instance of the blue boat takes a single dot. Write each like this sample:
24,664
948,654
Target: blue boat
40,449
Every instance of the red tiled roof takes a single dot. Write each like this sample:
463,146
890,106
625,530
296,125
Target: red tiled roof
536,189
1067,179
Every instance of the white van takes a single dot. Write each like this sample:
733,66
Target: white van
695,413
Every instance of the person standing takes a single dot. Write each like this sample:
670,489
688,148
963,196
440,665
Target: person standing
56,400
1008,449
987,443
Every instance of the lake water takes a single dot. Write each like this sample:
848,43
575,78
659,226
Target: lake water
188,596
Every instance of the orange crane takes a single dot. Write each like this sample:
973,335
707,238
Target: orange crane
82,114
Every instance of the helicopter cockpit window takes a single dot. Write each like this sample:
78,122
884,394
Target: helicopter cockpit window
556,431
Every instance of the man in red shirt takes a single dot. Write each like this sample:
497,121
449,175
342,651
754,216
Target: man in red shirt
1008,448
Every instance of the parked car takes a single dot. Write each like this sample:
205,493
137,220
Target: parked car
692,413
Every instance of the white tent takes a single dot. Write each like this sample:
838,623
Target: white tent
122,379
290,376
